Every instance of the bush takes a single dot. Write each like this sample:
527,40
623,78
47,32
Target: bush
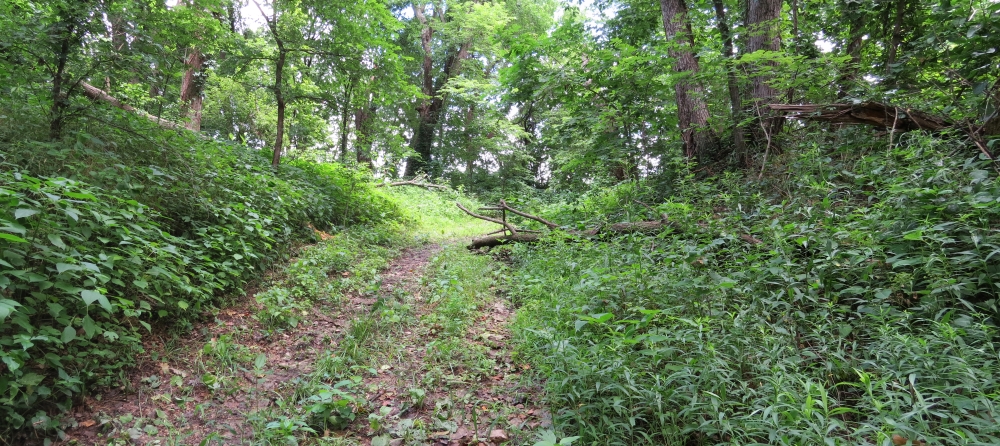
100,236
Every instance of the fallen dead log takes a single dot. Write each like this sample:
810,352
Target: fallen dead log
497,240
511,234
895,119
866,113
97,94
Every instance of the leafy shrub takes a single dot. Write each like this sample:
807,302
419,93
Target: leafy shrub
103,234
82,272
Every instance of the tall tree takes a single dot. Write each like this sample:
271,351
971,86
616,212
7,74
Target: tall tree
763,28
429,108
698,139
279,77
732,83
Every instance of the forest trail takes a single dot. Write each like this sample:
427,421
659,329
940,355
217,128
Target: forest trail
424,359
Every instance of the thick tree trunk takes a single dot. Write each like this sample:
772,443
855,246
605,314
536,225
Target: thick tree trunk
698,140
764,33
191,87
739,135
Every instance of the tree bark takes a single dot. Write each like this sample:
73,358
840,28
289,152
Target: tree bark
471,152
698,140
191,88
279,135
60,102
897,35
345,119
363,134
279,67
739,135
764,33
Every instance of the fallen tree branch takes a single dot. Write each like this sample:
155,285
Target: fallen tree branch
487,242
894,118
413,183
524,236
97,94
506,225
503,204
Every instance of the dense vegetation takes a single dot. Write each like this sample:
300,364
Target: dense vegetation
823,174
850,300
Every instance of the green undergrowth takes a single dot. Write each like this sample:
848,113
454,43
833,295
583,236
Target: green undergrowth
435,215
849,298
108,233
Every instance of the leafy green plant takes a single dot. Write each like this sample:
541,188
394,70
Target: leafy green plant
333,407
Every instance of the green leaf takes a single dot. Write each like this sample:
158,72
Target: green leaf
12,238
63,267
7,307
89,296
915,235
68,335
89,327
24,213
140,283
30,379
80,196
57,241
183,304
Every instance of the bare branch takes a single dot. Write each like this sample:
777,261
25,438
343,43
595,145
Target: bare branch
509,226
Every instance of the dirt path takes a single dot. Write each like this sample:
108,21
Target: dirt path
389,354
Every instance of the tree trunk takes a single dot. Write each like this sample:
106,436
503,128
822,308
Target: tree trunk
191,87
471,154
897,35
97,94
855,23
430,108
698,140
345,121
279,68
739,135
764,33
60,102
280,99
363,137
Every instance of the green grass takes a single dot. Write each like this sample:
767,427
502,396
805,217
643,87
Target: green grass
435,215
